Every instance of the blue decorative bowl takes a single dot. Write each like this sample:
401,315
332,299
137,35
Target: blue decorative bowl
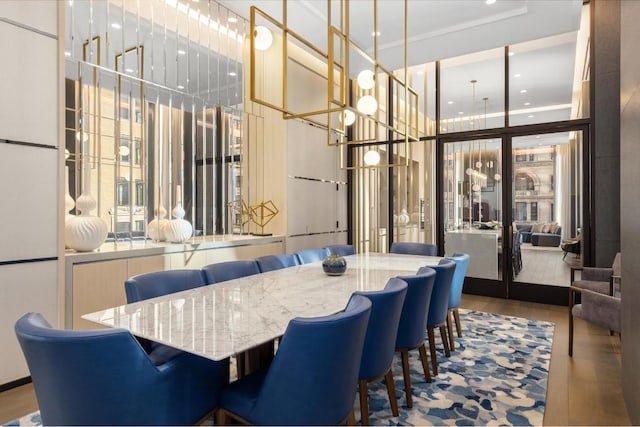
334,265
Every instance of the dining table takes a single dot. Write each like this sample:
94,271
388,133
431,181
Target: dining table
223,319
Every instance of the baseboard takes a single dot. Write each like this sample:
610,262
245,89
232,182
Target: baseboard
14,384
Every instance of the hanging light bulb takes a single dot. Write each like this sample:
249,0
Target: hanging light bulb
349,117
367,105
365,79
124,150
83,135
263,38
497,177
371,158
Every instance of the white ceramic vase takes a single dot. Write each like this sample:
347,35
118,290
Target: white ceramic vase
69,203
177,230
85,232
155,228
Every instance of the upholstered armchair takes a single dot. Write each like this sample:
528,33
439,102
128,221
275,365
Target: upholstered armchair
597,308
439,308
343,250
223,271
104,377
307,256
413,248
455,295
276,262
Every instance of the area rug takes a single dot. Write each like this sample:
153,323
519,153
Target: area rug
497,375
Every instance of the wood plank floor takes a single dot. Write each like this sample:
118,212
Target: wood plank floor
583,390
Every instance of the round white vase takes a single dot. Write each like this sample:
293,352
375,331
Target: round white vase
155,228
85,232
177,230
69,203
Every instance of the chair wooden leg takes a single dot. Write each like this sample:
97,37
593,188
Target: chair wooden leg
221,417
452,343
445,340
425,363
456,318
351,419
364,403
406,373
432,350
391,389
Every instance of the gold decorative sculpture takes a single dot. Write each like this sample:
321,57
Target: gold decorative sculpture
239,209
262,214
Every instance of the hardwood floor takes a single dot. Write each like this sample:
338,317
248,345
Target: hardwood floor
583,390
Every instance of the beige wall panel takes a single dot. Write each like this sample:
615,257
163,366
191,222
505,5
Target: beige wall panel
96,286
24,12
187,260
23,288
29,103
147,264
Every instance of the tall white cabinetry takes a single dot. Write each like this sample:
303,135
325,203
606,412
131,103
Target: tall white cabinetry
29,171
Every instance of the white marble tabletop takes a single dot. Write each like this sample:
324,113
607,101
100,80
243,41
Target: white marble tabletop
220,320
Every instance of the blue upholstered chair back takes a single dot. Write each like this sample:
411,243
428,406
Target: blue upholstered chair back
343,250
151,285
276,262
307,256
415,308
410,248
223,271
380,343
441,289
462,262
313,377
105,377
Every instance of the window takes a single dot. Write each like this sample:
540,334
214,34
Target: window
139,193
521,211
123,192
524,182
534,211
137,154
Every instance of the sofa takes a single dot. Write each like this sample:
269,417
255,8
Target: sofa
541,234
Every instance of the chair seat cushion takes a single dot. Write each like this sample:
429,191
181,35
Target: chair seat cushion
240,396
600,287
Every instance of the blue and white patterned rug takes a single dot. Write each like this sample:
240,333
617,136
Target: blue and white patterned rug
497,375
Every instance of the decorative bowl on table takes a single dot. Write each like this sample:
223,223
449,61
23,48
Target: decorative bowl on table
334,265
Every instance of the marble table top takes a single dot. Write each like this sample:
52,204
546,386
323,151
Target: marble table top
219,320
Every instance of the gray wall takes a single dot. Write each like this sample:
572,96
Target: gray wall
630,202
606,153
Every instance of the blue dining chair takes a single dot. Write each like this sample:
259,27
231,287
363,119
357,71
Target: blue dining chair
313,377
412,248
343,250
411,327
276,262
155,284
308,256
104,377
462,262
439,307
229,270
380,342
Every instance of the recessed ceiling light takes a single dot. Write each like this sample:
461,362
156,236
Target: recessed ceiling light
116,26
516,75
523,91
67,53
232,19
129,70
511,53
490,1
450,102
419,72
530,116
527,103
375,33
461,112
182,52
180,87
233,74
537,136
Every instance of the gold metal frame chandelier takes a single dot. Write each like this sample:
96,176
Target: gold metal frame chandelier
370,91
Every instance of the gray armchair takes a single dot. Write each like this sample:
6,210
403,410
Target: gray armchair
600,309
598,279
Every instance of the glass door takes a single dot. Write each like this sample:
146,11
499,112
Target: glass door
547,213
473,211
